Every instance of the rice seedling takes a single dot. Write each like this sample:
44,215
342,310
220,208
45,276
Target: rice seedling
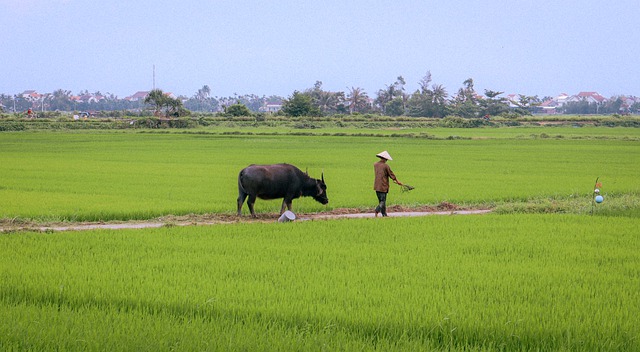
506,281
492,282
88,176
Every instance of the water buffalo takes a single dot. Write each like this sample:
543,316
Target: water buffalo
278,181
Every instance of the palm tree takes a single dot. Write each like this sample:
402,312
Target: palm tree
465,102
439,100
328,101
357,99
439,94
61,100
202,95
324,101
385,96
392,91
424,83
468,92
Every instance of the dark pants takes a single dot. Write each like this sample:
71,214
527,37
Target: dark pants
382,205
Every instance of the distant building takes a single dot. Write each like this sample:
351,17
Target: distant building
628,102
90,98
271,106
562,99
31,95
138,96
590,97
552,106
549,107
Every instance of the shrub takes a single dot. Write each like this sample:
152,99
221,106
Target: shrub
12,126
459,122
237,110
154,122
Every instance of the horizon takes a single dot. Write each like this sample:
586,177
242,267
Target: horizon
450,95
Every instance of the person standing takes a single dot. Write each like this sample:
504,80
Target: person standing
381,183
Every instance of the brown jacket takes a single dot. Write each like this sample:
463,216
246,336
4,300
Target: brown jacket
383,172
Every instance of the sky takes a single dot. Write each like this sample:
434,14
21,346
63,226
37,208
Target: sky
276,47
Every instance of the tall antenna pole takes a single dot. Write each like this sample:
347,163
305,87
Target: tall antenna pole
154,77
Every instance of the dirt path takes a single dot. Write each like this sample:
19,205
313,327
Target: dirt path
218,219
405,214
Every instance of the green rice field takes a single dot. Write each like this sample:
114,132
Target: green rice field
480,283
58,176
545,271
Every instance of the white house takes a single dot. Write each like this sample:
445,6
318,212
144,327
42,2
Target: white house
138,96
31,95
590,97
271,106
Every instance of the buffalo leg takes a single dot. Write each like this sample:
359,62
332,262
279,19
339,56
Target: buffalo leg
286,203
241,197
250,202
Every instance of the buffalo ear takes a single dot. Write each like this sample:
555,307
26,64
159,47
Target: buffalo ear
319,186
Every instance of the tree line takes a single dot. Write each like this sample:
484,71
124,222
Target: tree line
429,100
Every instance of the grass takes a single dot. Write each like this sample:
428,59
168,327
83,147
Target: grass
120,176
545,272
417,129
627,205
496,282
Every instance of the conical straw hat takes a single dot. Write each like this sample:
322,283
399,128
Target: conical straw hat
384,155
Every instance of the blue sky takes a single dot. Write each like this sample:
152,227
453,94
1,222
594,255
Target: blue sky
275,47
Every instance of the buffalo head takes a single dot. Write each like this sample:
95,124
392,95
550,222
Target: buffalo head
321,197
